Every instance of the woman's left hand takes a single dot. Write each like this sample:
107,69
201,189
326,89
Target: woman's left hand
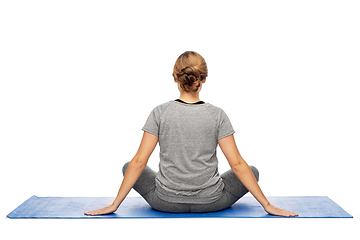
106,210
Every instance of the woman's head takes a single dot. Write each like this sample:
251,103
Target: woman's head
190,70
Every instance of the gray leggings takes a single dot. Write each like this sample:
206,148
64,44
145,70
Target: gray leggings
232,192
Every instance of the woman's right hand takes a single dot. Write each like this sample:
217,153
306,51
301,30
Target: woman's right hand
270,209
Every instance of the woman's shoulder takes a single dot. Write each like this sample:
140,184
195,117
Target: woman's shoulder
214,108
217,112
162,107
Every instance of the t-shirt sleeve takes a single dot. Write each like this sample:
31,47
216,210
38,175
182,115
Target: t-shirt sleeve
225,127
152,123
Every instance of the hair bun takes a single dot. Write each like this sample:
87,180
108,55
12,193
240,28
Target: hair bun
189,79
191,72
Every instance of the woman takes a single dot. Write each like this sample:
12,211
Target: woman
188,131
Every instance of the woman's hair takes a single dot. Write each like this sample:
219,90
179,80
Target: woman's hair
189,70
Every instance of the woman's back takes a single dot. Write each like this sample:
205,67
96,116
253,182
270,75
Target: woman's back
188,138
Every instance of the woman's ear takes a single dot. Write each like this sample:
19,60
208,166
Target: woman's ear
204,80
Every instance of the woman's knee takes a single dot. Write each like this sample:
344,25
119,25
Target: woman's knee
255,172
126,165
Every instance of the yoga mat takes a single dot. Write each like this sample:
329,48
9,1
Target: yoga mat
136,207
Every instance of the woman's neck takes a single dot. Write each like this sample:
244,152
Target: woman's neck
189,97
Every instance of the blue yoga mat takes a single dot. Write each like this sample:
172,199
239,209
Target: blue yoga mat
136,207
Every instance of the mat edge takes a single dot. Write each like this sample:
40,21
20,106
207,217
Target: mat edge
20,207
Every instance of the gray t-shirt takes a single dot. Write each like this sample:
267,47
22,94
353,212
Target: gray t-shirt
188,139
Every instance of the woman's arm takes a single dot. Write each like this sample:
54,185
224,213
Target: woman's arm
134,170
245,175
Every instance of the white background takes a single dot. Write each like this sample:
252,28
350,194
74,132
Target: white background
79,78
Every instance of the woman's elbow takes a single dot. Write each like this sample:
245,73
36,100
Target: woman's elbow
138,163
239,167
